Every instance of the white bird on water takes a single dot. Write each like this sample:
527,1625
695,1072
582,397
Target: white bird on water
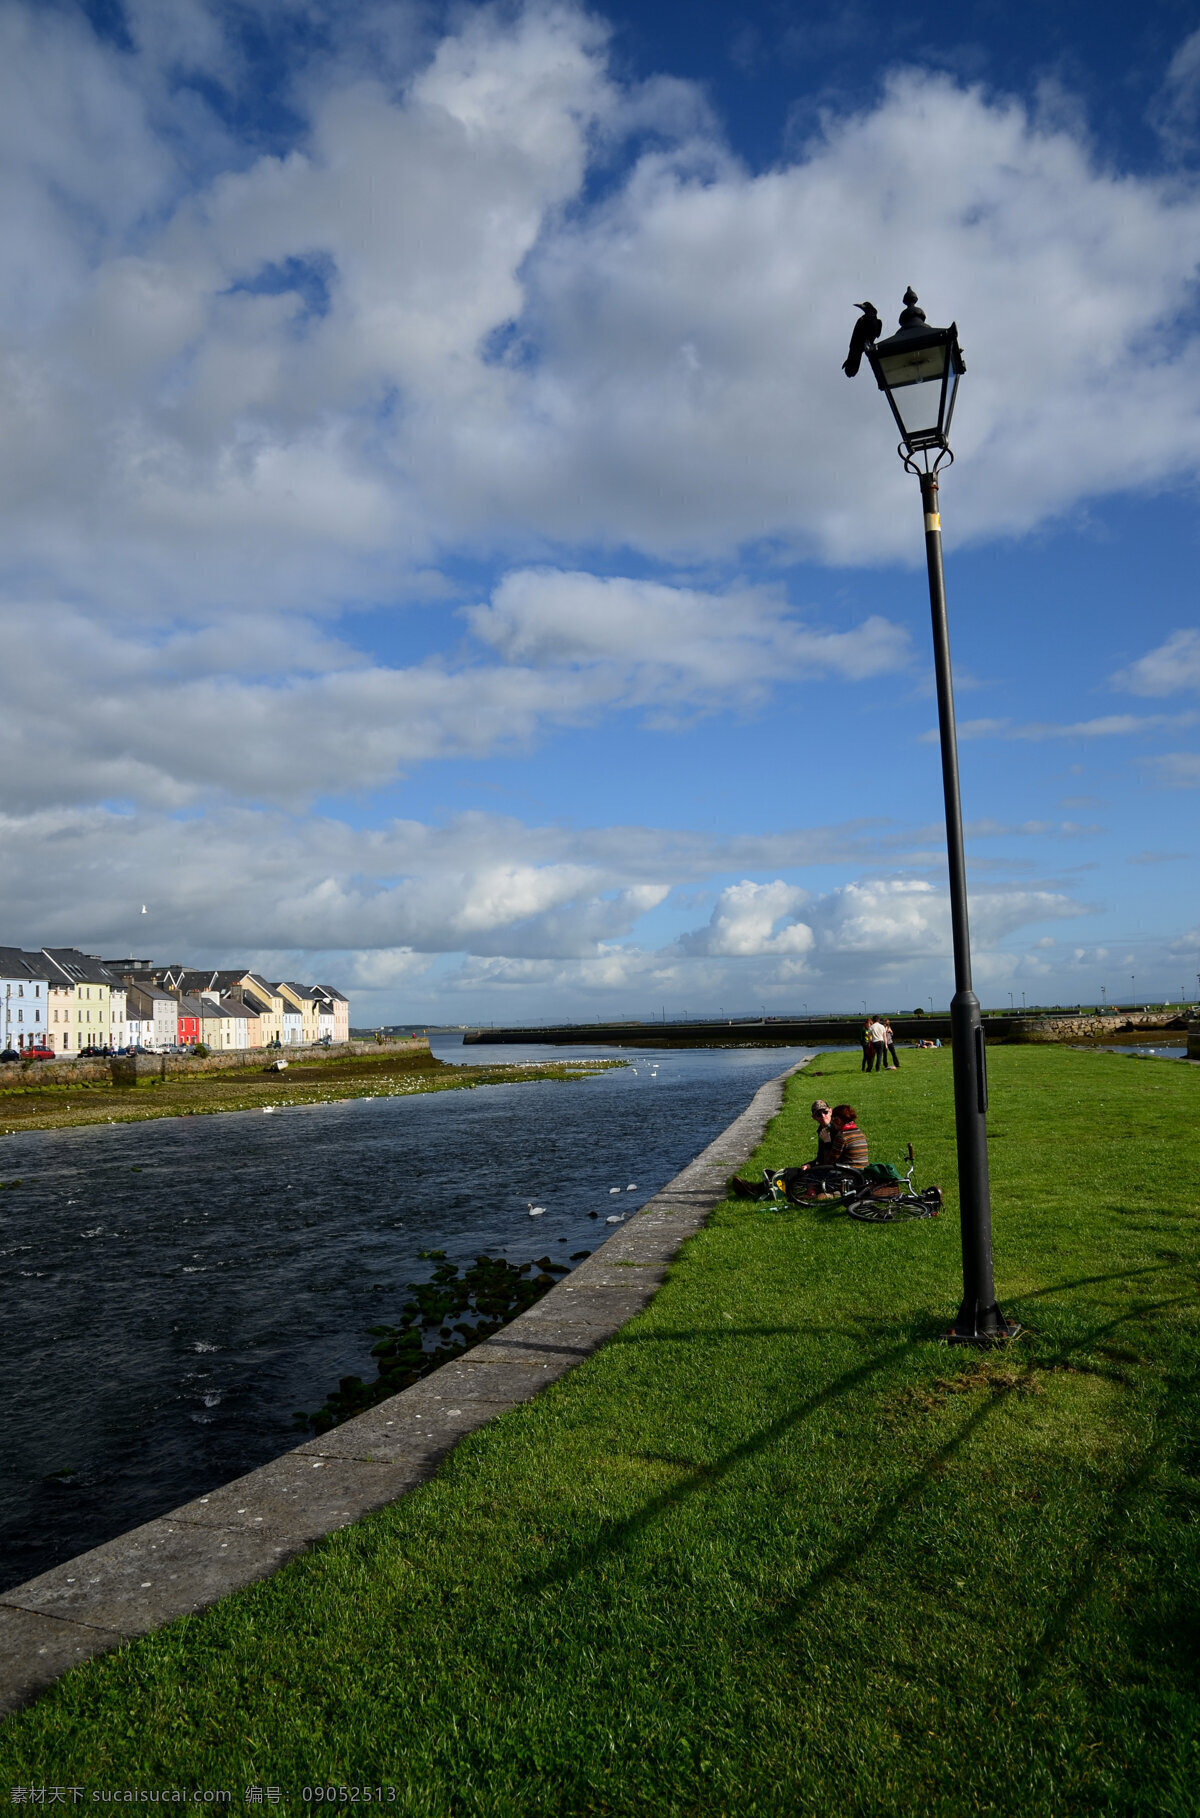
534,1211
614,1189
615,1218
632,1187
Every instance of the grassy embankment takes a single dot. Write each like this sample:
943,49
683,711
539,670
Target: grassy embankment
306,1082
774,1549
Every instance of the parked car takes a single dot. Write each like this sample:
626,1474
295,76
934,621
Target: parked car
10,1054
41,1052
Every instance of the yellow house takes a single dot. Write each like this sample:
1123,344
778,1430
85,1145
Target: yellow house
80,1000
264,999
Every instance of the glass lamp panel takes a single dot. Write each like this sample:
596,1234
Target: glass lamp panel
918,405
913,366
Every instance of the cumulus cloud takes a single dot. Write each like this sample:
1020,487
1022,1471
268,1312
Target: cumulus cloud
487,884
268,708
753,919
1171,668
874,921
415,327
677,640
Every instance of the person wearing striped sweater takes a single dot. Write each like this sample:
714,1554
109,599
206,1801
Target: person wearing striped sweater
849,1142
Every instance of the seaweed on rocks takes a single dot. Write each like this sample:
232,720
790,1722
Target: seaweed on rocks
455,1311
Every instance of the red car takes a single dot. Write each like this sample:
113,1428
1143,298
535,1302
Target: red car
38,1053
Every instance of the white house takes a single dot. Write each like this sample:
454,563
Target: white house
340,1006
24,999
158,1016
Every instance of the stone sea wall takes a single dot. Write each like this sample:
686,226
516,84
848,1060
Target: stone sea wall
1067,1028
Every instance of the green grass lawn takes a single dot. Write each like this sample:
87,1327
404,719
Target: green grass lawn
774,1549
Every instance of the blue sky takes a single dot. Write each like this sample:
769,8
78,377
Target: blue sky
441,552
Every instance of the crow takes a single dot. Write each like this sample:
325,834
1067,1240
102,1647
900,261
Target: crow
866,330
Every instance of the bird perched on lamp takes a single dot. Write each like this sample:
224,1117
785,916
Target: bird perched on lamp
866,330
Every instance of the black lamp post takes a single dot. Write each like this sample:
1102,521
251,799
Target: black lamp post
918,370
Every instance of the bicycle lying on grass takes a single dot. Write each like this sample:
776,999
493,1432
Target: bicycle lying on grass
881,1202
876,1195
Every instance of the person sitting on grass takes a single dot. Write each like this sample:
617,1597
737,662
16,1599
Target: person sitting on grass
823,1118
828,1138
849,1147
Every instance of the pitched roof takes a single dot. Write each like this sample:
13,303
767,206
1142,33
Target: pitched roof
78,968
14,963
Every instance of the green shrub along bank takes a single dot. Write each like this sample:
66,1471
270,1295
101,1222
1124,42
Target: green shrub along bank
774,1549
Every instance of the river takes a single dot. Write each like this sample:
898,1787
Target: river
174,1290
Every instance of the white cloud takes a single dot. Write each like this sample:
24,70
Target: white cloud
1106,726
874,921
1169,669
753,919
1176,112
268,708
989,829
489,305
680,639
1175,769
415,330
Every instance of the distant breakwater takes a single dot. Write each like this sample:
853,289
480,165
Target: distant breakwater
808,1032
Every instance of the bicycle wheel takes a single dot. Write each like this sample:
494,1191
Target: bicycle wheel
870,1211
804,1185
919,1205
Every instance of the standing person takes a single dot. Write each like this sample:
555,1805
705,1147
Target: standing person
890,1039
878,1036
849,1142
867,1048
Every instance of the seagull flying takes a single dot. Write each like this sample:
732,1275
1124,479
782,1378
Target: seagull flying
866,330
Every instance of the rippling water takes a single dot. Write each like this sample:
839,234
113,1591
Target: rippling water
174,1290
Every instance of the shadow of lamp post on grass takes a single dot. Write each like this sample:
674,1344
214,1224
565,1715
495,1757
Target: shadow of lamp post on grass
918,369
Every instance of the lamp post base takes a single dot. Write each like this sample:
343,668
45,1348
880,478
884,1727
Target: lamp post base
982,1326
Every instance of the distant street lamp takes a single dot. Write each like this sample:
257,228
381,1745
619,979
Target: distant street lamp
918,370
1104,997
1011,1005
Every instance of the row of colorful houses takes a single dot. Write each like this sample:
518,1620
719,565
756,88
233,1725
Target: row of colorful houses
69,1001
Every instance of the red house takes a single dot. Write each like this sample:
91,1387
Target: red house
188,1022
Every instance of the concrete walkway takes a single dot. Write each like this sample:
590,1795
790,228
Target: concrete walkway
247,1529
